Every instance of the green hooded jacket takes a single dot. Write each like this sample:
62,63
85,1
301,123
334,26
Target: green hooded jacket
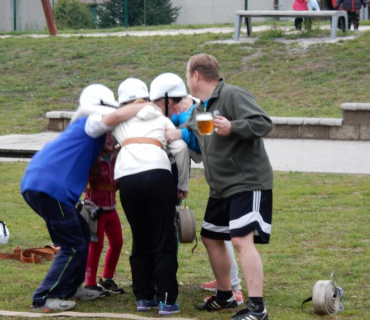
237,162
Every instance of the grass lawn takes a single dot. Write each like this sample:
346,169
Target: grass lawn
320,226
44,74
320,222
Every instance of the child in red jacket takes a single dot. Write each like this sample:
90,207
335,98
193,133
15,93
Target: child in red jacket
353,8
101,191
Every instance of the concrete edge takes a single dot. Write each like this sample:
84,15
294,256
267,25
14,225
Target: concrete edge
355,106
331,122
59,114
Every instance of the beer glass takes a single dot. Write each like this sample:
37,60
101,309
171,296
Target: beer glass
205,123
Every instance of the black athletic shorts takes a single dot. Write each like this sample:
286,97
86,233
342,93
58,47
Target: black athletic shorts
239,215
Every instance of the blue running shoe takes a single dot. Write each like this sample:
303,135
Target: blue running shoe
168,309
146,305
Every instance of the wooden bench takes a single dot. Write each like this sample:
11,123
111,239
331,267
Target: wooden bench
333,14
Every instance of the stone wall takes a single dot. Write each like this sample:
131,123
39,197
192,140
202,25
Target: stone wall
355,125
58,120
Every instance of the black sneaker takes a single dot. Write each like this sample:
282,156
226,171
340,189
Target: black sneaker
110,286
214,304
252,312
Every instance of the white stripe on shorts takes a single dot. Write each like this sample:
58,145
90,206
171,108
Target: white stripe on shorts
214,228
248,219
252,216
256,201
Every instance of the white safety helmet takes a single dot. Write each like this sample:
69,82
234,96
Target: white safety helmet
95,98
132,89
4,233
167,83
97,95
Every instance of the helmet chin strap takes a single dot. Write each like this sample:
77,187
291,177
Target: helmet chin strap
166,104
102,103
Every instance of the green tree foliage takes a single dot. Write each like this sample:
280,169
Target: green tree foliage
71,14
140,12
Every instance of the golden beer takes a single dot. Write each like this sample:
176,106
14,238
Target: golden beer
205,123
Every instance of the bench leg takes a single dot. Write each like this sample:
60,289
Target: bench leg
248,22
238,25
334,25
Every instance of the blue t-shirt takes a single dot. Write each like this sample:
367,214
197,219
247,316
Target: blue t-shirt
186,135
61,169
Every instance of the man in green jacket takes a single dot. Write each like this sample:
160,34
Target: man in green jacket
239,174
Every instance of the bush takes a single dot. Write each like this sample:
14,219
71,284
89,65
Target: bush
139,12
71,14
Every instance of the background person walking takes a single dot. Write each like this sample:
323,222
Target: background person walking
313,5
299,5
353,8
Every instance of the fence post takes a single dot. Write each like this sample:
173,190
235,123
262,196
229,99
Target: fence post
15,15
126,13
276,5
246,5
144,12
52,26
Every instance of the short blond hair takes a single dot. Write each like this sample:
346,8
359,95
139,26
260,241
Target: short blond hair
206,65
140,100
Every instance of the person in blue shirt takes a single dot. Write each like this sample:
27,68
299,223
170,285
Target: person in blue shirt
52,184
183,109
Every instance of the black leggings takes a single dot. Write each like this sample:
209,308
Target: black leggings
298,22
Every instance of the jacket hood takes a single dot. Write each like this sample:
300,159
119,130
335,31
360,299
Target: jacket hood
148,113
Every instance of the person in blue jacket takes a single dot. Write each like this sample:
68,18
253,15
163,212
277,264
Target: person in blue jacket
182,111
52,184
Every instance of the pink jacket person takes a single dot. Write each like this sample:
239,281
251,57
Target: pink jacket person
300,5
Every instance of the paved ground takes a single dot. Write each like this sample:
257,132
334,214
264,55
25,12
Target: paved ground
319,156
285,155
303,42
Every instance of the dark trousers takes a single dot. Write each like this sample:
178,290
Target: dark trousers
148,201
353,17
70,232
299,21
